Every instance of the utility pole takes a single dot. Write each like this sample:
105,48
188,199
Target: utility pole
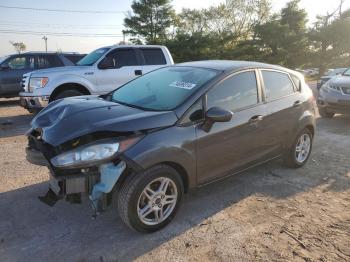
124,33
45,39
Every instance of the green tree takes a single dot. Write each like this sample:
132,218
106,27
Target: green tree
330,38
149,20
283,40
214,33
18,46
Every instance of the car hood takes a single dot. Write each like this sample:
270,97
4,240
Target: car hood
62,69
343,81
70,118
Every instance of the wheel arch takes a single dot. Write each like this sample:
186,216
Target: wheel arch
179,169
69,86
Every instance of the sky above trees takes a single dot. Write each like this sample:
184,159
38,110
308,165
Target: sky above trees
84,23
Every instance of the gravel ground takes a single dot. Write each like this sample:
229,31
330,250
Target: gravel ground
269,213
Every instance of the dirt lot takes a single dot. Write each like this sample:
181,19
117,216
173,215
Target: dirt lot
269,213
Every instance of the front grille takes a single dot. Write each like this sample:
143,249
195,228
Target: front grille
25,84
346,90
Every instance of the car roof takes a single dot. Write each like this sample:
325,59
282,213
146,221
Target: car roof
135,46
230,65
48,53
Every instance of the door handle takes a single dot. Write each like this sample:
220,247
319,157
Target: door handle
256,119
297,103
138,72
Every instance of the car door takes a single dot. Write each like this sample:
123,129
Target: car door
153,58
233,145
12,76
283,105
120,66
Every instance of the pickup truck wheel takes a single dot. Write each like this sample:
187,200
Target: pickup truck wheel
298,154
325,114
68,93
148,201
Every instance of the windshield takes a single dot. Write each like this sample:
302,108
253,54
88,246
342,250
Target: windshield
347,72
91,58
163,89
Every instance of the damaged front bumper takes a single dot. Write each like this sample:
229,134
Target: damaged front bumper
94,183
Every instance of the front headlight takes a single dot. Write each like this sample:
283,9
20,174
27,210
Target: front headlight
92,154
38,82
325,87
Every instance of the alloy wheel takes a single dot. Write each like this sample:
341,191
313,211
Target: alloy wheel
157,201
302,148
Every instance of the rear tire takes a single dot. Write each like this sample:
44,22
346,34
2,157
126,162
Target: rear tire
68,93
298,154
325,114
142,193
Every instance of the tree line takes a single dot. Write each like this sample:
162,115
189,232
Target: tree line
244,30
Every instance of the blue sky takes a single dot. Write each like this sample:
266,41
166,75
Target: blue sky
83,23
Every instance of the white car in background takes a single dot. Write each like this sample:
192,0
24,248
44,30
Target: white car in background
98,73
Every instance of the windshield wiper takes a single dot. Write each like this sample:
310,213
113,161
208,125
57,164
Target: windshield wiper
129,105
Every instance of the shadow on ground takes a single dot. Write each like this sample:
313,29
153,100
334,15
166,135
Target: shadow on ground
9,102
31,231
14,125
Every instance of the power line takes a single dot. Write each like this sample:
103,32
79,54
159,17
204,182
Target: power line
62,26
18,23
62,10
57,34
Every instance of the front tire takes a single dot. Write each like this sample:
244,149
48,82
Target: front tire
148,201
298,154
68,93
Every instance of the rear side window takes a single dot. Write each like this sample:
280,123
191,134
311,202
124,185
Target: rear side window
277,84
153,56
236,92
48,61
123,57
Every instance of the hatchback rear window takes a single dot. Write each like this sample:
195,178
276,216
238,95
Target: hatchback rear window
277,84
153,56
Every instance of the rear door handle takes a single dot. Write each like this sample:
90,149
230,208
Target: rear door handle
138,72
256,119
297,103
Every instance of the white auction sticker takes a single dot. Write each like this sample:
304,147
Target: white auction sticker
184,85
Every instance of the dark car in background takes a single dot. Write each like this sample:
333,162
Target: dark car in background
173,129
13,67
329,75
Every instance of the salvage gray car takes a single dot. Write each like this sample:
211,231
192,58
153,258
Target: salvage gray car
334,96
174,129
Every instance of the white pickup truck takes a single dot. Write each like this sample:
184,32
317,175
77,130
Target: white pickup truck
98,73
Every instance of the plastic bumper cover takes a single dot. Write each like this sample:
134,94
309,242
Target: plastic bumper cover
34,102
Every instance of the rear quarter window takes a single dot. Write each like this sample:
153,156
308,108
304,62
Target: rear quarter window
277,84
297,82
153,56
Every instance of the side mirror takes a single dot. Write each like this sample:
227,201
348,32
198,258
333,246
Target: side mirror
106,63
216,114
